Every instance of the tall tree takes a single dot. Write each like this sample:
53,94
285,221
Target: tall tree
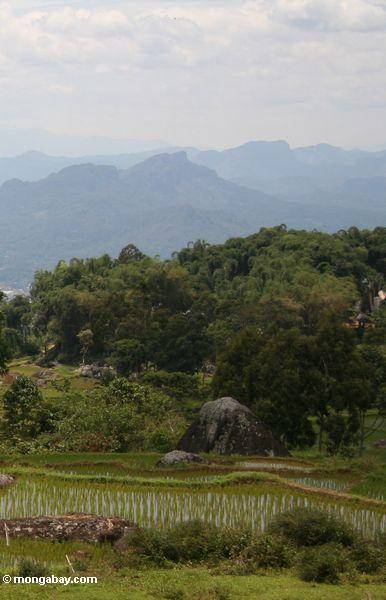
24,414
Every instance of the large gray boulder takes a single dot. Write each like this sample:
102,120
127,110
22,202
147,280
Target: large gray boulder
177,457
225,426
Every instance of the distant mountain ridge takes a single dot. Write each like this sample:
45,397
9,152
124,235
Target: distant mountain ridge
249,164
32,165
160,205
261,161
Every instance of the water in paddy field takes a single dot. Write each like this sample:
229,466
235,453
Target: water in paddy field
162,508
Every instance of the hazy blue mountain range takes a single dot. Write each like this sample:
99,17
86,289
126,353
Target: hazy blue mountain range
310,175
32,165
159,204
256,163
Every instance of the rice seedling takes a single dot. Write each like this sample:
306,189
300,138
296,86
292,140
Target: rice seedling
329,484
273,466
162,506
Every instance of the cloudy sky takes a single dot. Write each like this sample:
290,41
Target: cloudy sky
192,72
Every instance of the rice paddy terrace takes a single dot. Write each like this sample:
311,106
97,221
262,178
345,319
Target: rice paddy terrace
238,493
233,491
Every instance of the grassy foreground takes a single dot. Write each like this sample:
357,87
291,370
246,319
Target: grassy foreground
198,584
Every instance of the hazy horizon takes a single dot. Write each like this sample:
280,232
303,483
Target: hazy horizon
207,74
14,144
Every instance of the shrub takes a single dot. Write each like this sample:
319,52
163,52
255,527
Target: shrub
191,541
324,564
269,551
31,568
311,527
381,540
367,557
94,442
177,385
162,441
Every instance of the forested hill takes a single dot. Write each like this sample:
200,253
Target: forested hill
272,315
177,314
159,204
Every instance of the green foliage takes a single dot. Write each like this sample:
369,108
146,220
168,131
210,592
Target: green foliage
174,314
118,417
139,311
269,551
191,541
130,253
367,557
162,441
31,568
128,355
269,374
185,389
271,315
213,593
25,414
5,346
324,564
311,527
17,327
85,337
288,375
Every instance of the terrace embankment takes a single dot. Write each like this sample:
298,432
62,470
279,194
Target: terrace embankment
72,526
234,478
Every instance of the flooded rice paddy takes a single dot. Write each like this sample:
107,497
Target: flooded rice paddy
153,507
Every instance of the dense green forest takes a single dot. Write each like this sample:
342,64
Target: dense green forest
269,319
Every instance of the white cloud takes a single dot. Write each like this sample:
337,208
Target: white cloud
333,15
209,72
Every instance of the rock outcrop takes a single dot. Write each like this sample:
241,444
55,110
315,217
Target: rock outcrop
72,526
96,371
6,479
380,443
177,457
225,426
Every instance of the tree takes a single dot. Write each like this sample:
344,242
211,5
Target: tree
24,413
280,373
5,353
130,253
86,339
331,356
269,374
370,393
286,377
128,356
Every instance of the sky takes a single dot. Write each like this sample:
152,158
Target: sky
211,73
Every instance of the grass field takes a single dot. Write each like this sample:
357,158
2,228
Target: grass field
198,584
